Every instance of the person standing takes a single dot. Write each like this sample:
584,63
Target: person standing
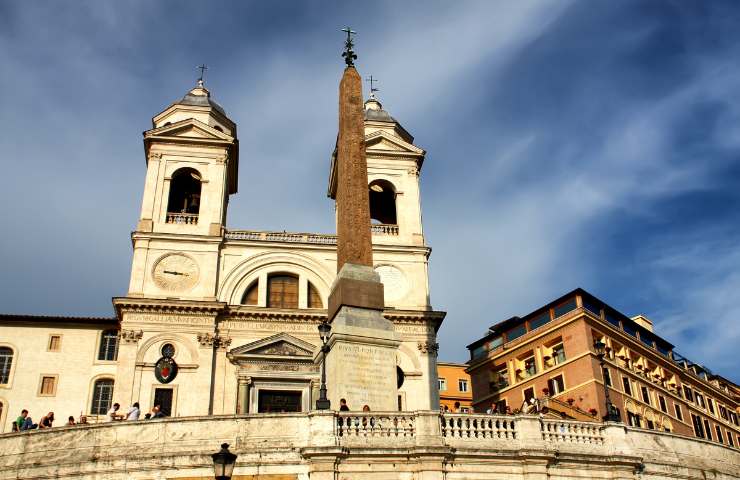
133,412
112,415
343,405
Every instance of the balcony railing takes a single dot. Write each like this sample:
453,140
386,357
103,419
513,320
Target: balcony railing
183,218
384,229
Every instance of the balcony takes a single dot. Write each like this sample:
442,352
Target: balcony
384,229
498,385
183,218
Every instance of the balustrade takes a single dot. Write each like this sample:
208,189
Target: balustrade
477,426
384,229
183,218
572,432
364,424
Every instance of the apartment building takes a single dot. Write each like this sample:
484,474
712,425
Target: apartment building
455,392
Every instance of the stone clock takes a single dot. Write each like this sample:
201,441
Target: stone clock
175,272
394,281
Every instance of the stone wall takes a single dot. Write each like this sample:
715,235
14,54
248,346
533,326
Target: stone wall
371,445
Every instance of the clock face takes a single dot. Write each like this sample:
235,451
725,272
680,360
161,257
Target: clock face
175,272
394,282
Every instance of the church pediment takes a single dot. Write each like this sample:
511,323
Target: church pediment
188,128
384,141
280,346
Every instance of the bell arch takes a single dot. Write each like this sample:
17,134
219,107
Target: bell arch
383,209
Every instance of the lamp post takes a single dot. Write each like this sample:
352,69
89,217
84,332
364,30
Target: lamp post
223,463
611,411
323,403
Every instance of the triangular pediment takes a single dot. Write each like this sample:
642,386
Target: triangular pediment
384,141
281,345
188,128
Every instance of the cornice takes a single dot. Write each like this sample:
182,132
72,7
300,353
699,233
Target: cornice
148,305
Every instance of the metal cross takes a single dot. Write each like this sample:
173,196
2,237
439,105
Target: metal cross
372,80
349,54
203,69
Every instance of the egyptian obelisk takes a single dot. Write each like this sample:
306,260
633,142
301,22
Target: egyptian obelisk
361,365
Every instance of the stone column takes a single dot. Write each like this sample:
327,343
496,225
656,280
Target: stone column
242,399
221,345
128,347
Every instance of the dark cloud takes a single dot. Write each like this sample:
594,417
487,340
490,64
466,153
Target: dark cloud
590,144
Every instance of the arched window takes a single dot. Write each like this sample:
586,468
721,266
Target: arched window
383,202
314,299
184,200
102,396
251,296
282,291
6,361
108,345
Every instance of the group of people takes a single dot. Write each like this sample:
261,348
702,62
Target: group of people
25,422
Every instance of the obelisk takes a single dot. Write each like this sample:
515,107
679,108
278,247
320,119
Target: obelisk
361,365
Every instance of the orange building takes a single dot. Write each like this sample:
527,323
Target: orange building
455,393
552,355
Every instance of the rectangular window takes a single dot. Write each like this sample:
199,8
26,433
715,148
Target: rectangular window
500,379
462,385
734,417
698,427
710,405
479,351
558,354
55,343
591,307
729,438
516,332
633,420
607,377
611,318
645,395
650,425
627,386
679,413
530,368
629,329
539,320
528,394
665,351
719,434
442,383
556,385
565,307
48,386
688,394
700,400
723,412
661,401
646,339
108,345
708,429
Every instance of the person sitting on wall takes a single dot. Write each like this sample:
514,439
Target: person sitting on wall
83,420
20,421
28,424
157,412
71,421
46,420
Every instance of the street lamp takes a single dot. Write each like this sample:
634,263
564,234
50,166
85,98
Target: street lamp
323,403
223,463
611,411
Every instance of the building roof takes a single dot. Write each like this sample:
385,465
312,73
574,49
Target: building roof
505,325
10,317
201,101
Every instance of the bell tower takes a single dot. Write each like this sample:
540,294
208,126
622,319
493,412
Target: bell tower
192,156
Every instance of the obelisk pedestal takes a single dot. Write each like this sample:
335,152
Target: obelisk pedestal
361,364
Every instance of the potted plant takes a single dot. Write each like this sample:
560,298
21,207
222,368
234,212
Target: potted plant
592,411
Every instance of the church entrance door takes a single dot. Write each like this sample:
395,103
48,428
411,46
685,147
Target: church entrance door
274,401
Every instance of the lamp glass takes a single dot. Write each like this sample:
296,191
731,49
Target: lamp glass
223,462
324,329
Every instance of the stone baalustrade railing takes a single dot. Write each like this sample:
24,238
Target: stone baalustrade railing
290,237
183,218
368,445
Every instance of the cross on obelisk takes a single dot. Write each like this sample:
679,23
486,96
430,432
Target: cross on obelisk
361,363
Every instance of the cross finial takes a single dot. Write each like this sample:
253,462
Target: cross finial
202,69
349,54
371,81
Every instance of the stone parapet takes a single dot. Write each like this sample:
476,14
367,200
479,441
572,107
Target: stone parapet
372,445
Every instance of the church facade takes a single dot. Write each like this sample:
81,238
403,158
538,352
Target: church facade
220,321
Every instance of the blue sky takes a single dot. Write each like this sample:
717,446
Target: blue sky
570,143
